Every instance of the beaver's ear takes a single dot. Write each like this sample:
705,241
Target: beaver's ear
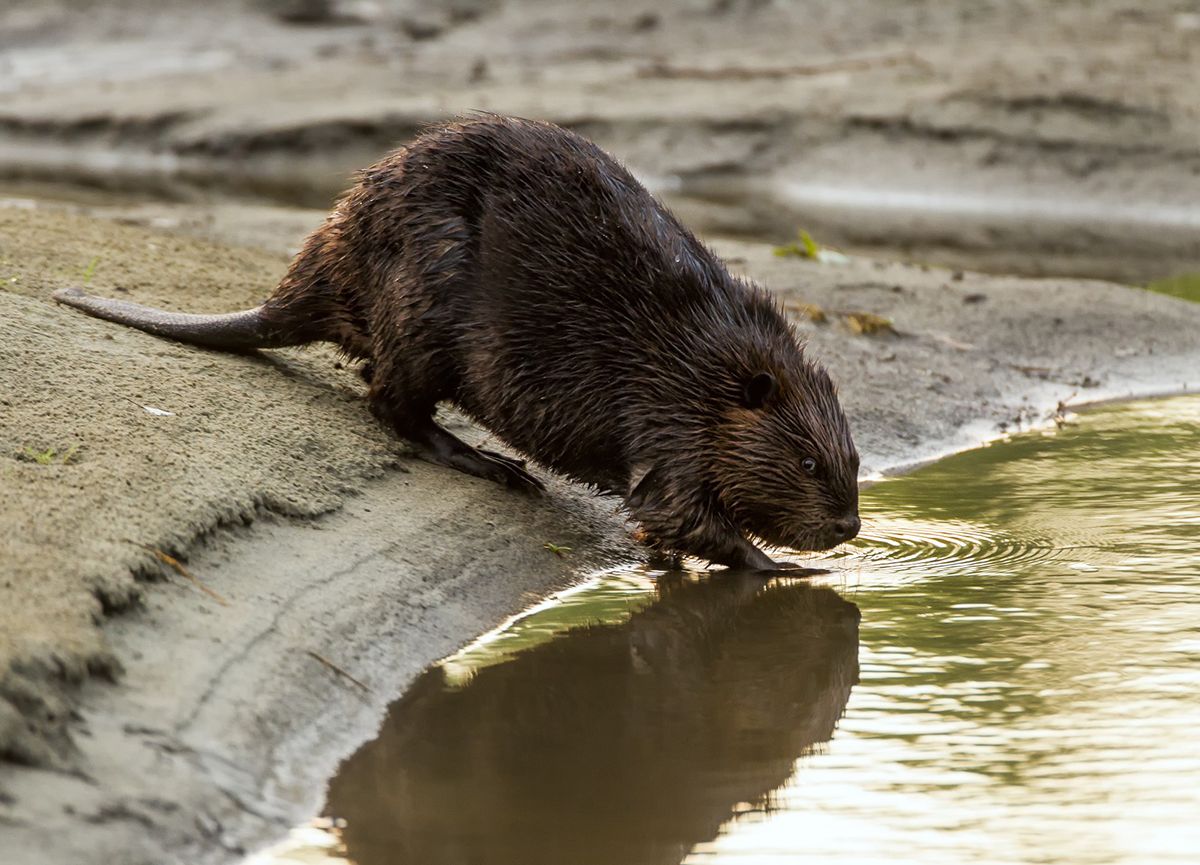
760,389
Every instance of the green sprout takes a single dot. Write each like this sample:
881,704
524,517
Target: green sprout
49,456
805,248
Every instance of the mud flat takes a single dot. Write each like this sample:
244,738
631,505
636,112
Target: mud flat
1030,137
149,717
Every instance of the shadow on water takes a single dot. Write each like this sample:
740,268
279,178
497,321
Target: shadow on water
623,743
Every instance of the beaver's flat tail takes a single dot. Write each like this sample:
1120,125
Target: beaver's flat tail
230,331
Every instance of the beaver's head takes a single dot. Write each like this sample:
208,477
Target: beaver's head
785,464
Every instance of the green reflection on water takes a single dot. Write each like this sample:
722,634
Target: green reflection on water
1029,688
1031,649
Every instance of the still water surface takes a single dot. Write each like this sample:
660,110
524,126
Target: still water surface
1023,686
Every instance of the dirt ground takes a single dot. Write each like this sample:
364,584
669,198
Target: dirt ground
147,716
1009,135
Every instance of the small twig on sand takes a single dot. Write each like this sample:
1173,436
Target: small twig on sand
176,566
331,665
1059,415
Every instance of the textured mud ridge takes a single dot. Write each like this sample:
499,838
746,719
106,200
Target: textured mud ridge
1088,210
109,445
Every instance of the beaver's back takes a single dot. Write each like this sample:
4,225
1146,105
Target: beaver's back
598,319
578,312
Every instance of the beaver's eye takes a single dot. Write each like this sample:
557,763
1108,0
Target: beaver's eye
809,465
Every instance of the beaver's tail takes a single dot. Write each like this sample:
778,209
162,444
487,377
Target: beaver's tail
230,331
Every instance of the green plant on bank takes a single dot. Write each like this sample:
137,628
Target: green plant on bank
1184,285
805,247
561,552
90,270
49,456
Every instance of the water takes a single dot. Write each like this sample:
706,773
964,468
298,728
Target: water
1024,686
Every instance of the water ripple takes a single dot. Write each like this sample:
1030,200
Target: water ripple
899,542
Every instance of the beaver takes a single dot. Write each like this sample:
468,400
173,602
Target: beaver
517,271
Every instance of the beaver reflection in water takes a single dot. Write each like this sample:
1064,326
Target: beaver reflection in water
517,271
614,744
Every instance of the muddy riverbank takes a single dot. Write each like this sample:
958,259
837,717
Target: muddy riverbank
315,537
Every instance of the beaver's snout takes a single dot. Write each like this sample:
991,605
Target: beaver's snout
844,528
825,535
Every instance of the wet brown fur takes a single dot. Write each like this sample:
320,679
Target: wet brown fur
516,270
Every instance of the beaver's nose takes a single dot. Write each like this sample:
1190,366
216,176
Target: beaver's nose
846,527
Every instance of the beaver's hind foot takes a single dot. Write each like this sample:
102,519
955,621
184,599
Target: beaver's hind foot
444,448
